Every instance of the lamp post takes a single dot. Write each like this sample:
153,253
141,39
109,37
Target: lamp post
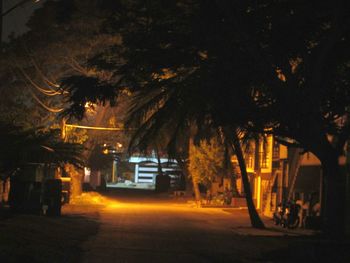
114,151
118,148
114,169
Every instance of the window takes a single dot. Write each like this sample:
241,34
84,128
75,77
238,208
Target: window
264,160
276,151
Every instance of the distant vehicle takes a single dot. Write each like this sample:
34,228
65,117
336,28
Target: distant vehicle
36,189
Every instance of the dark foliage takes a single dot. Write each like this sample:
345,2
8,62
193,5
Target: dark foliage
98,160
281,65
84,89
20,147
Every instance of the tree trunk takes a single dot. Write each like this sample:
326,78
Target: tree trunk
253,214
184,170
76,180
197,194
333,195
160,170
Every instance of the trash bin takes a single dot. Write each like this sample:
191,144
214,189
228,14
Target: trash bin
162,183
34,199
52,197
17,194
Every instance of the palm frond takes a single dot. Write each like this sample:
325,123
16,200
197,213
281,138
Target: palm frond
21,146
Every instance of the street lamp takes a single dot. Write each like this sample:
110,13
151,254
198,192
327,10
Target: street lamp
114,151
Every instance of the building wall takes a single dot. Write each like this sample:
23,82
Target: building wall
309,159
272,174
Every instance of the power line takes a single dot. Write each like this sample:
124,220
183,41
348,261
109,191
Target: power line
44,91
50,83
47,92
53,110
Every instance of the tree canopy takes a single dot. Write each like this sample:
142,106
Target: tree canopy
206,161
281,64
280,67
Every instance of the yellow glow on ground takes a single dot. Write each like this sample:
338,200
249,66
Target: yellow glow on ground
92,198
147,206
88,200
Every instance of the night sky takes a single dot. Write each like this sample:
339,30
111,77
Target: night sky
16,20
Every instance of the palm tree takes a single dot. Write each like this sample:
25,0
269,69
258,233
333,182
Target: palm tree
236,145
175,116
184,84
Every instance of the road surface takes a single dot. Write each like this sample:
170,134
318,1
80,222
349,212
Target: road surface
142,229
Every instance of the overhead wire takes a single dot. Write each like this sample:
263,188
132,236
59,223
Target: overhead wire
44,91
52,87
53,110
49,83
39,71
36,98
47,92
43,76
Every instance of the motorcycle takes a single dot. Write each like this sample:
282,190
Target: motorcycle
287,216
279,214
